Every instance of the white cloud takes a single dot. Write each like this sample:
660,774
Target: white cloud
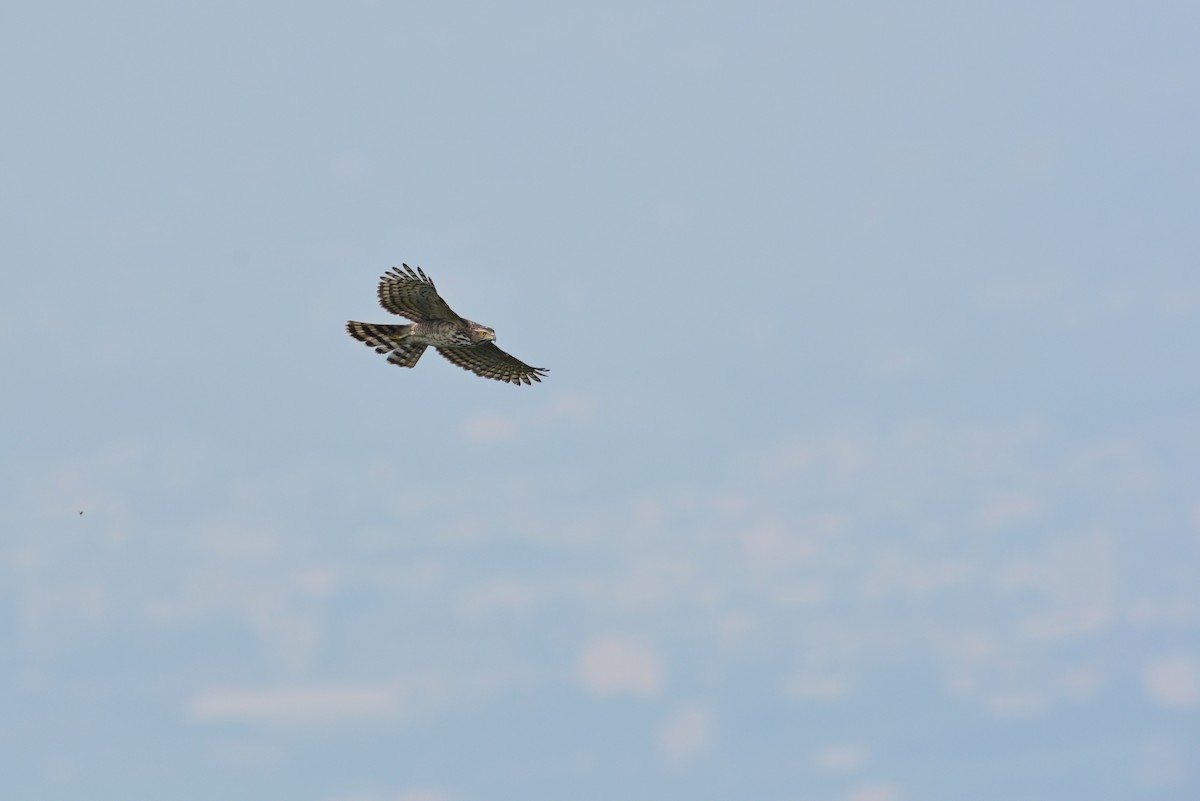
244,753
770,545
1079,683
791,458
735,632
422,794
802,594
1064,623
1015,704
575,407
685,734
1158,613
485,428
839,758
297,704
899,574
875,791
614,665
414,794
1172,681
1078,570
817,686
317,582
498,596
1014,507
281,608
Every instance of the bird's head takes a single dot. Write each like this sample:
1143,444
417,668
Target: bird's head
481,333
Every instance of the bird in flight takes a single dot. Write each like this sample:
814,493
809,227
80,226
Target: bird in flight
410,294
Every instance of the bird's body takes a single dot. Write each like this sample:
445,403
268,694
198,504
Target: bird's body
463,342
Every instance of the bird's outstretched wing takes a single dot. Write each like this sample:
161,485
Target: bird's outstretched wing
409,293
489,361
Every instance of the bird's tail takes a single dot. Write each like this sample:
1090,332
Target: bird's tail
388,338
380,337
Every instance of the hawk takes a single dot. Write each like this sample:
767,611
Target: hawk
410,294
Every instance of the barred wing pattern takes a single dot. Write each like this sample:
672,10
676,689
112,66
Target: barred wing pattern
489,361
407,355
410,293
388,339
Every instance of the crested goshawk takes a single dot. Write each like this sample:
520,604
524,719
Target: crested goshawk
410,294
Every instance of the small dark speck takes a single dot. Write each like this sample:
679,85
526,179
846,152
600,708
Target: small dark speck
81,513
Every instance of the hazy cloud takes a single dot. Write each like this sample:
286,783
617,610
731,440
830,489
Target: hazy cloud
488,428
839,758
1005,509
1015,704
686,733
817,686
414,794
1172,681
616,665
297,704
875,791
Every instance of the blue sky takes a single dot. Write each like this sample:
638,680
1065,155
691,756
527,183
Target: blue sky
866,469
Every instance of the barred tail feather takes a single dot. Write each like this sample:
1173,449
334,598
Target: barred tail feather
388,339
378,336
